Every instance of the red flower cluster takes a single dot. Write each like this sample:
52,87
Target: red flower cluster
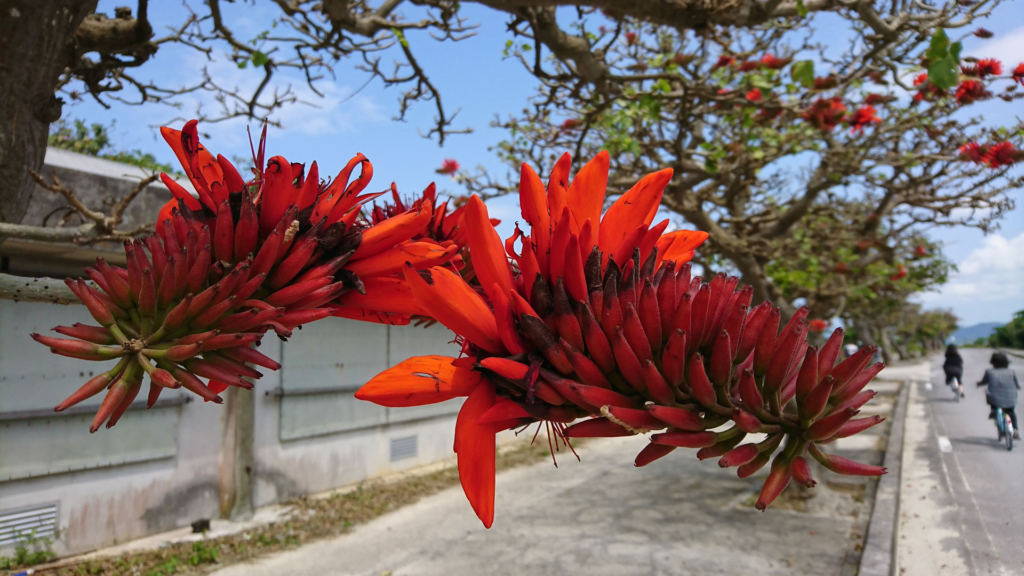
900,274
1001,154
825,82
817,325
749,65
773,62
723,61
601,317
920,251
983,33
863,117
873,99
449,166
825,113
970,91
1018,74
927,90
754,95
992,155
221,270
571,124
985,67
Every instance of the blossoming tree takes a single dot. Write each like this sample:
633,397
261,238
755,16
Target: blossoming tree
775,139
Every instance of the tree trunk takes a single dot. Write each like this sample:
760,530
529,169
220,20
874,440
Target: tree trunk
35,48
238,459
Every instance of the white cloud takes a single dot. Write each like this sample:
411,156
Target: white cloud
989,285
998,258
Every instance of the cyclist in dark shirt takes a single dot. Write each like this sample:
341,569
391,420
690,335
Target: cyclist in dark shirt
1002,389
954,368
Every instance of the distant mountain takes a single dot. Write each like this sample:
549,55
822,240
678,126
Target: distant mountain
969,334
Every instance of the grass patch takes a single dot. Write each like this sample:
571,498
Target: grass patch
31,552
313,519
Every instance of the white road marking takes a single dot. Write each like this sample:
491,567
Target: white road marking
944,444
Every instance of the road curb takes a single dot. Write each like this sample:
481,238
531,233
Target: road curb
879,555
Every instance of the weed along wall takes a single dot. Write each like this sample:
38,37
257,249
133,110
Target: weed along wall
299,431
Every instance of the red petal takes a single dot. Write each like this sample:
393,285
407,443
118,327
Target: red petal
373,316
586,193
678,246
455,304
534,203
474,443
386,294
632,209
418,381
420,255
489,259
392,231
557,185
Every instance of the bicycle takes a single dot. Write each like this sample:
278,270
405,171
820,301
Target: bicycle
1004,425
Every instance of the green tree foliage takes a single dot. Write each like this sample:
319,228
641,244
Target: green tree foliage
1010,335
94,140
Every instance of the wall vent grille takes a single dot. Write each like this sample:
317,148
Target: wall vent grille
27,524
404,447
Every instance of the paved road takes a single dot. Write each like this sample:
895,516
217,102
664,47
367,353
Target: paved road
962,499
601,517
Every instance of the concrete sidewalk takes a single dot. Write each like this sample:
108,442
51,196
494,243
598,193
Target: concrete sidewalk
600,516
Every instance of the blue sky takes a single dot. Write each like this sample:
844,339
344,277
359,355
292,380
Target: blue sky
474,78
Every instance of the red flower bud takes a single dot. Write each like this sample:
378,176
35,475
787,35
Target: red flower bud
766,342
720,368
627,361
657,387
858,425
814,403
652,452
777,481
598,347
673,360
632,418
702,389
677,417
600,396
746,421
845,466
807,378
828,426
751,468
739,456
802,472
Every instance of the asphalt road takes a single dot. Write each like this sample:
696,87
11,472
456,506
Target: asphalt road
984,482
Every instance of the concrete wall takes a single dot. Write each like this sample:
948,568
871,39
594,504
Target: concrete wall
159,469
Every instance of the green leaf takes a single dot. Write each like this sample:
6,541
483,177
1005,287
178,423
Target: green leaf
759,81
944,72
939,46
259,58
801,9
242,64
802,72
955,50
711,166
